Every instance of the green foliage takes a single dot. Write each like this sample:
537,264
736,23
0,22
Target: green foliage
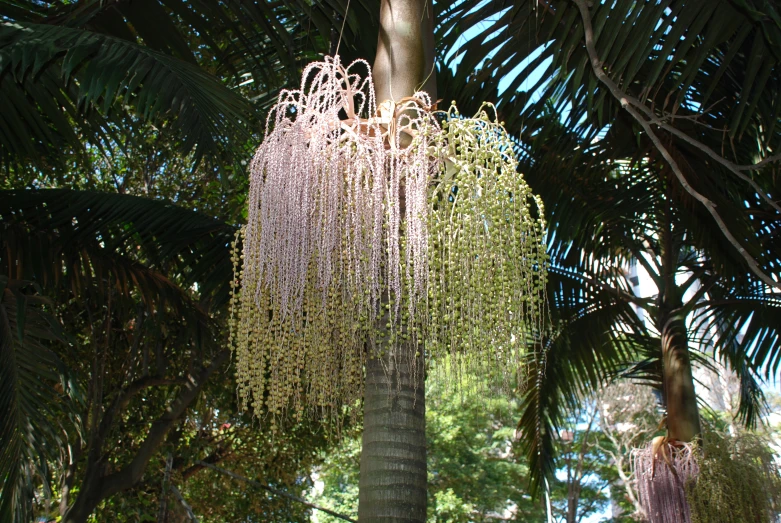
36,58
473,473
62,237
38,398
89,72
151,166
339,473
680,57
216,433
614,214
739,480
703,67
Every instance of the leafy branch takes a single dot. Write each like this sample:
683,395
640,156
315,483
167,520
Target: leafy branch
634,107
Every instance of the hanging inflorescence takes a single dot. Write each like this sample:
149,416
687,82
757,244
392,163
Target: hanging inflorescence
378,230
728,478
662,472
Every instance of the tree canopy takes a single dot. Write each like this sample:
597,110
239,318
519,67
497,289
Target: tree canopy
648,128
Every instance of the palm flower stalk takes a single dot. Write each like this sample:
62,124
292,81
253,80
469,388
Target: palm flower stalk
375,227
663,471
728,478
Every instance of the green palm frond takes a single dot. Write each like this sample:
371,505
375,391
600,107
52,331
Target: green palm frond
119,252
595,334
66,238
35,389
608,202
237,37
86,71
709,69
669,52
55,76
742,325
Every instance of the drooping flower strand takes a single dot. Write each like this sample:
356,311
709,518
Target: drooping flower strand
325,253
298,178
662,474
488,267
374,230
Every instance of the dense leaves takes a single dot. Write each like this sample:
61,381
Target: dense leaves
38,397
35,59
87,72
473,473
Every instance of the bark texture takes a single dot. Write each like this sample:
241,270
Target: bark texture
393,452
683,417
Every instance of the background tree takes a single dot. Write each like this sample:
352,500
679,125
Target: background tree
627,418
582,471
144,349
474,473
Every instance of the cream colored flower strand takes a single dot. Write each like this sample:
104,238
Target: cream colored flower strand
488,264
372,229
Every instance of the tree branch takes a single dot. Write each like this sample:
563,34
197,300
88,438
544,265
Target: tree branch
132,472
632,105
187,508
213,458
759,165
275,491
126,394
626,99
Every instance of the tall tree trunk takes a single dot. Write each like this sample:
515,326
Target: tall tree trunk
405,50
683,419
392,485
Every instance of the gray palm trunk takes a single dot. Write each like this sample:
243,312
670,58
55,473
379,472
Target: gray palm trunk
393,452
683,418
392,485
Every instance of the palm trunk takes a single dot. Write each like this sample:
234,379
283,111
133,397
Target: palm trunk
392,485
683,419
393,452
405,50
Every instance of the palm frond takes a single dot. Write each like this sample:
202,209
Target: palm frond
55,76
669,52
595,333
62,237
35,388
743,328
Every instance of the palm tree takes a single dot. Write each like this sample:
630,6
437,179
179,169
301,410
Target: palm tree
84,77
685,94
607,218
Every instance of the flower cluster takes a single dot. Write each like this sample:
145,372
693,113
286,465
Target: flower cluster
377,229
